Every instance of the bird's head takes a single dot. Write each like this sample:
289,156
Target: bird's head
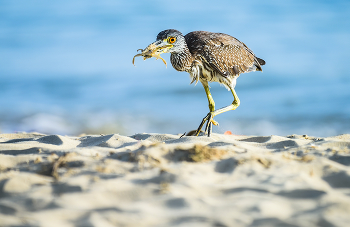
168,41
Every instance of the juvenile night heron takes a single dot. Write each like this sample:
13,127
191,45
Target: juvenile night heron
207,57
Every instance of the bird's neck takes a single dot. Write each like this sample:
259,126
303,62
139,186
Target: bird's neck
182,60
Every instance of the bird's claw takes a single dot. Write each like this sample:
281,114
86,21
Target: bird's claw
210,122
214,122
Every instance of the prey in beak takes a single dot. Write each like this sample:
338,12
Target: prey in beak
154,50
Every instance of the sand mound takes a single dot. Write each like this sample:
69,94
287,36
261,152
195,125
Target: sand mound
165,180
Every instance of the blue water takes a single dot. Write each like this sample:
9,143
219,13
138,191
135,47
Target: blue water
65,67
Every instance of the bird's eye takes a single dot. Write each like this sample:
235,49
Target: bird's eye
171,39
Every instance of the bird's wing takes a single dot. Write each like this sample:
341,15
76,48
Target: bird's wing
229,56
222,52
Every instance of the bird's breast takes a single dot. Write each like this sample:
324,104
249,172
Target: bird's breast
181,61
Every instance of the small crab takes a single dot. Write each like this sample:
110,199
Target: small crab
151,51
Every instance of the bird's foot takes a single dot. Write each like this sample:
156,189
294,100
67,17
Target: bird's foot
210,122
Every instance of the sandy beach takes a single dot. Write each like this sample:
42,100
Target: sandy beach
164,180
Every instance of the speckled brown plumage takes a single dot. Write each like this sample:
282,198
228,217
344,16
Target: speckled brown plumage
224,53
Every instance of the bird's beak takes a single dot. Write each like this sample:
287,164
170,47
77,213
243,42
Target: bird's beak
155,49
161,46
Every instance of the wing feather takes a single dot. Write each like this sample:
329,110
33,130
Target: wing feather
226,54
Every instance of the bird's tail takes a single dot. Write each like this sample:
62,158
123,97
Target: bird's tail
261,61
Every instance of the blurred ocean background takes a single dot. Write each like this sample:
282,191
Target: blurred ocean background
65,67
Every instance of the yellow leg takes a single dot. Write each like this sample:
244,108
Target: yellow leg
210,98
211,109
213,112
236,102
